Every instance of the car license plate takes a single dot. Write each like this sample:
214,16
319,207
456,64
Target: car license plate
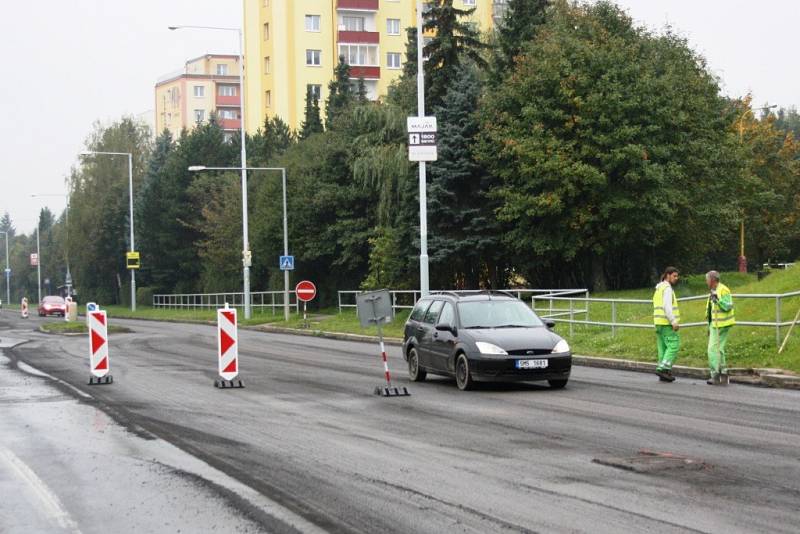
531,364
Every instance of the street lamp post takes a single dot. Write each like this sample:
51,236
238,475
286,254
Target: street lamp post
742,260
130,203
246,255
68,280
38,264
198,168
8,274
424,285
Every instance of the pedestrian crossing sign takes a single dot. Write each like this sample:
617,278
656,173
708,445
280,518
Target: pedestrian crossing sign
287,263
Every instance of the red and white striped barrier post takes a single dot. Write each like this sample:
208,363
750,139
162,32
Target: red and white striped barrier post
227,349
99,363
23,308
375,308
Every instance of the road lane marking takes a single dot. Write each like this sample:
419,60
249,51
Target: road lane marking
50,502
24,367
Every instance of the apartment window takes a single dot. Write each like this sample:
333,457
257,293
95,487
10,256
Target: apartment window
268,98
469,2
227,137
314,57
227,90
228,114
353,24
267,65
312,23
393,26
360,54
222,70
199,115
393,60
266,31
315,89
199,91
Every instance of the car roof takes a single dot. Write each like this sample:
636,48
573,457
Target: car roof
53,297
477,296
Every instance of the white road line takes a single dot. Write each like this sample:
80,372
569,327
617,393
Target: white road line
24,367
51,505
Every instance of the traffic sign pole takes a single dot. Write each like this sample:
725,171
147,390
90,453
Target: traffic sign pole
99,363
227,348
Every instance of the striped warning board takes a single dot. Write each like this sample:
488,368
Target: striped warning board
228,343
98,343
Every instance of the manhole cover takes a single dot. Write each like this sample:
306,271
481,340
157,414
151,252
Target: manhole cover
653,462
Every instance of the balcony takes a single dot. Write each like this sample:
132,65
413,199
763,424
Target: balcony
230,124
359,37
362,5
368,73
229,100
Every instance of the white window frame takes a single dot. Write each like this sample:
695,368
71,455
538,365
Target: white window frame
471,3
310,54
228,114
389,62
228,90
360,27
361,51
199,91
312,19
199,115
317,92
390,26
222,67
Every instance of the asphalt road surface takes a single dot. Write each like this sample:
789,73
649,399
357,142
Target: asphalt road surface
306,446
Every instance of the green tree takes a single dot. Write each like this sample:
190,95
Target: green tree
611,145
312,123
455,41
519,25
340,93
6,225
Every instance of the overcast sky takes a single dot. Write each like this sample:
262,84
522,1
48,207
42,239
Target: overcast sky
70,63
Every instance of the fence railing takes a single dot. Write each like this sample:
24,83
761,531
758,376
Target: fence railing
259,300
570,314
404,299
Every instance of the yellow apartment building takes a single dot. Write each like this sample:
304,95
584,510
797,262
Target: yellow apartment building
292,46
207,84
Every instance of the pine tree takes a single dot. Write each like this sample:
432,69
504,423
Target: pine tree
520,23
6,225
313,122
362,92
340,93
455,40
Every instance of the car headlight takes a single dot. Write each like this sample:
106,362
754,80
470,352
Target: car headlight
561,346
488,348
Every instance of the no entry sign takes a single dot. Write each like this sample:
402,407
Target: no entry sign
305,290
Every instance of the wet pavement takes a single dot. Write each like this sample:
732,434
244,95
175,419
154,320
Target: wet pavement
307,446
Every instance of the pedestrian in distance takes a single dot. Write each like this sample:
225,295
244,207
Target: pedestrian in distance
666,317
721,318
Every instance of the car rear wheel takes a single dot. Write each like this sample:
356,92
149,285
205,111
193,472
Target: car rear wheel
463,378
415,372
558,384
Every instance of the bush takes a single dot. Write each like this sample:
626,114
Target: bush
144,296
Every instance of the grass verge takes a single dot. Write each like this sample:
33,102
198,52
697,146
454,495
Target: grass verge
78,327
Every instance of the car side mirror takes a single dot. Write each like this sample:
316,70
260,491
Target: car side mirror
550,323
446,327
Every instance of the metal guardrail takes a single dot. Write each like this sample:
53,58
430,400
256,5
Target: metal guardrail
198,301
559,314
404,299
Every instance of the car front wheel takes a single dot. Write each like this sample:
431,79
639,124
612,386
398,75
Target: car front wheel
557,384
463,378
415,372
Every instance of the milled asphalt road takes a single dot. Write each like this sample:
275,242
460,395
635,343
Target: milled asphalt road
310,438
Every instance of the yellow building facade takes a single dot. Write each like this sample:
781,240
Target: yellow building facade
293,46
207,84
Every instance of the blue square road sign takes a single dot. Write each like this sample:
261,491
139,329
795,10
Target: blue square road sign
287,263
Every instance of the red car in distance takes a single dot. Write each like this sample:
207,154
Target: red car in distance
52,305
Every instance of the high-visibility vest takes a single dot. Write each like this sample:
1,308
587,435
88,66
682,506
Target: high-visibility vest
717,317
659,315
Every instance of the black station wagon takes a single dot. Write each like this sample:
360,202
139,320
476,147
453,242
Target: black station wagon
486,336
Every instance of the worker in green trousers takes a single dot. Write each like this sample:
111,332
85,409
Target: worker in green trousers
721,318
666,317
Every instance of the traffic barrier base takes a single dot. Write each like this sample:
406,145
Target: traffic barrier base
392,391
224,384
101,380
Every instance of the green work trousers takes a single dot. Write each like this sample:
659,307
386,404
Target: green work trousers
717,339
668,343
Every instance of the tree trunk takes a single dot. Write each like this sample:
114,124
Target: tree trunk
598,282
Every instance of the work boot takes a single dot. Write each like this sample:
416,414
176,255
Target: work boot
714,380
664,375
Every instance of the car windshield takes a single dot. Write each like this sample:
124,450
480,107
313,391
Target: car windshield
497,314
54,300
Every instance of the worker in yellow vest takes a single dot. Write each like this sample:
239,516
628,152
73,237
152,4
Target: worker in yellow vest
666,317
721,317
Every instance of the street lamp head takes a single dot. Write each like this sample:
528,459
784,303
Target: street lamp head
86,153
196,168
172,27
